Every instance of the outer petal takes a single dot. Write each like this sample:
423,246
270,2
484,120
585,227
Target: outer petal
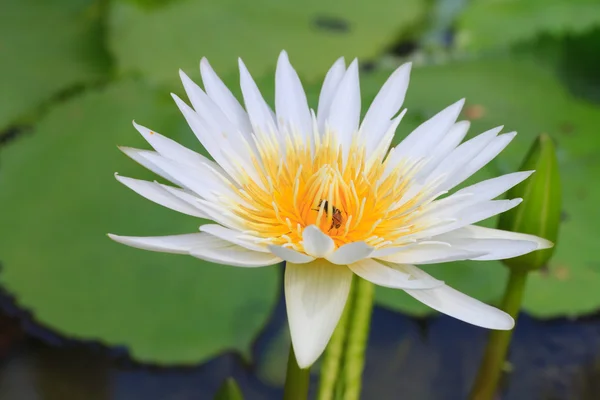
316,243
386,104
344,113
159,194
315,296
290,255
431,253
233,236
176,244
290,100
460,306
259,112
387,276
350,253
330,84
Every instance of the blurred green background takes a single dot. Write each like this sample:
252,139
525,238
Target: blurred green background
74,73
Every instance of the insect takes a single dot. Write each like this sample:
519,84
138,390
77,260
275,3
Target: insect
336,220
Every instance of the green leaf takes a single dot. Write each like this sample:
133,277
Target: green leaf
47,47
487,24
530,100
229,391
59,199
539,213
157,41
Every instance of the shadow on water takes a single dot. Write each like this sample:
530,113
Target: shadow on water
410,359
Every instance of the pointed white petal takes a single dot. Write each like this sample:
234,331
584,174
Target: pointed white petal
221,95
460,306
290,100
315,296
259,112
427,135
350,253
157,193
224,252
290,255
330,84
344,112
385,106
141,157
176,244
431,253
316,243
233,236
387,276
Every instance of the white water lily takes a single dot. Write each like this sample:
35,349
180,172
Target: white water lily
324,193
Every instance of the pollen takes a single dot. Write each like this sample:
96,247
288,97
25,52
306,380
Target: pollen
349,198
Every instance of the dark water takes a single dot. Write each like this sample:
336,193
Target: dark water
407,359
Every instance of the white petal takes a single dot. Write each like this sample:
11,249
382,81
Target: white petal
344,113
460,306
482,158
290,100
290,255
316,243
259,112
315,296
426,136
230,254
233,236
330,84
382,148
171,149
430,253
385,106
157,193
350,253
387,276
141,157
221,95
176,244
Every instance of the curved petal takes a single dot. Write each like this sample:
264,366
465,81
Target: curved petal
431,253
259,112
350,253
330,84
226,253
176,244
315,296
157,193
387,276
385,106
222,96
233,236
344,113
290,255
290,100
316,243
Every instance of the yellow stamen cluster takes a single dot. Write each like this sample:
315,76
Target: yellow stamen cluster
350,200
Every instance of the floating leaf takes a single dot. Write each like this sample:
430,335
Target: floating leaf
530,100
158,40
492,23
47,47
59,199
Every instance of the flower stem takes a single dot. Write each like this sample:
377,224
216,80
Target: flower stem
360,320
329,382
296,380
497,347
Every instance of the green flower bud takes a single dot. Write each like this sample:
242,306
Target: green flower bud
539,213
229,391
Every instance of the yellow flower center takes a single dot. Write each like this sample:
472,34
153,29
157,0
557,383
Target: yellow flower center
359,199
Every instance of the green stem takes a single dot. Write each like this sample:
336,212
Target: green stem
360,320
332,360
497,347
296,380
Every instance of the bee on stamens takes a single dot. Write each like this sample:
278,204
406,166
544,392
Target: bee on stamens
336,220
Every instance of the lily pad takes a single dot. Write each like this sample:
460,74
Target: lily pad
158,40
489,24
47,47
59,199
529,99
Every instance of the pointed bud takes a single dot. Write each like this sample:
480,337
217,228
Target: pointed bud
539,214
229,391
